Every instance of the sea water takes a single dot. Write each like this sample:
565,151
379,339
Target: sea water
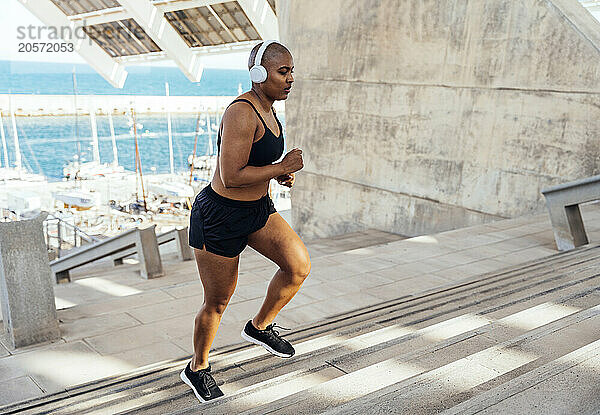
48,143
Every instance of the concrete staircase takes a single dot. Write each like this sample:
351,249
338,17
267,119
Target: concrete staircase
522,340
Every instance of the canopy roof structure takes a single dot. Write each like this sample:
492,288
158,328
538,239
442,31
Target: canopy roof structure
110,34
592,5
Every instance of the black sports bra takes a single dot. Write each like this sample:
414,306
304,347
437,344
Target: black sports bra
268,148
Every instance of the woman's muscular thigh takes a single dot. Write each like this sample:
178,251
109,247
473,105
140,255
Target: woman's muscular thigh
219,277
278,242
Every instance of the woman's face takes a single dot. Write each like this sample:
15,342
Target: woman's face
280,77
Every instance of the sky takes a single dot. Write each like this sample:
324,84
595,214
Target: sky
15,19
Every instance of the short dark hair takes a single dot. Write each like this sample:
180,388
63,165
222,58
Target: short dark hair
274,50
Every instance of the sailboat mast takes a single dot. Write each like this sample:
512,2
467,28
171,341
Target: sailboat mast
76,123
16,137
114,140
195,146
169,128
4,141
95,148
135,158
138,159
209,128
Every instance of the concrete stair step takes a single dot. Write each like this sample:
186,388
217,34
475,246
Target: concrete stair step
269,384
258,365
546,350
378,335
466,326
546,389
436,329
467,360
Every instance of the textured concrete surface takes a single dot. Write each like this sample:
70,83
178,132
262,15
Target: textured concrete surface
423,116
112,321
563,206
26,293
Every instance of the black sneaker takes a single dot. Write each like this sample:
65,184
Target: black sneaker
202,383
269,339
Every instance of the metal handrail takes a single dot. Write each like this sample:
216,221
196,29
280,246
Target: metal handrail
77,232
88,238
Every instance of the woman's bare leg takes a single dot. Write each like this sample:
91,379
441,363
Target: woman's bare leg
278,242
219,277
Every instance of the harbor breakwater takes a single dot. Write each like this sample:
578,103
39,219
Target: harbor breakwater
57,105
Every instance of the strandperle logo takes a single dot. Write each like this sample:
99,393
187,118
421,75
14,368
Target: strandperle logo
62,38
65,33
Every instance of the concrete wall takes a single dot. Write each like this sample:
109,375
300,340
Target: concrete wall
422,116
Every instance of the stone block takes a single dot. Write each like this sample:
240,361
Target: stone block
26,287
148,253
184,251
151,354
81,327
18,389
67,365
131,338
168,309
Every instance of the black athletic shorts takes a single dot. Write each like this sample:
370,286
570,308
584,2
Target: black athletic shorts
223,224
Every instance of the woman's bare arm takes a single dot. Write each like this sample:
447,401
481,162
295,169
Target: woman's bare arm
239,126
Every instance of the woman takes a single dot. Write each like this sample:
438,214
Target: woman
235,210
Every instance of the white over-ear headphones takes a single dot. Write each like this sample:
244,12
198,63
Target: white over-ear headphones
258,73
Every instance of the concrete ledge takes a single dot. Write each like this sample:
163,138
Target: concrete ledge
563,206
179,235
144,241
